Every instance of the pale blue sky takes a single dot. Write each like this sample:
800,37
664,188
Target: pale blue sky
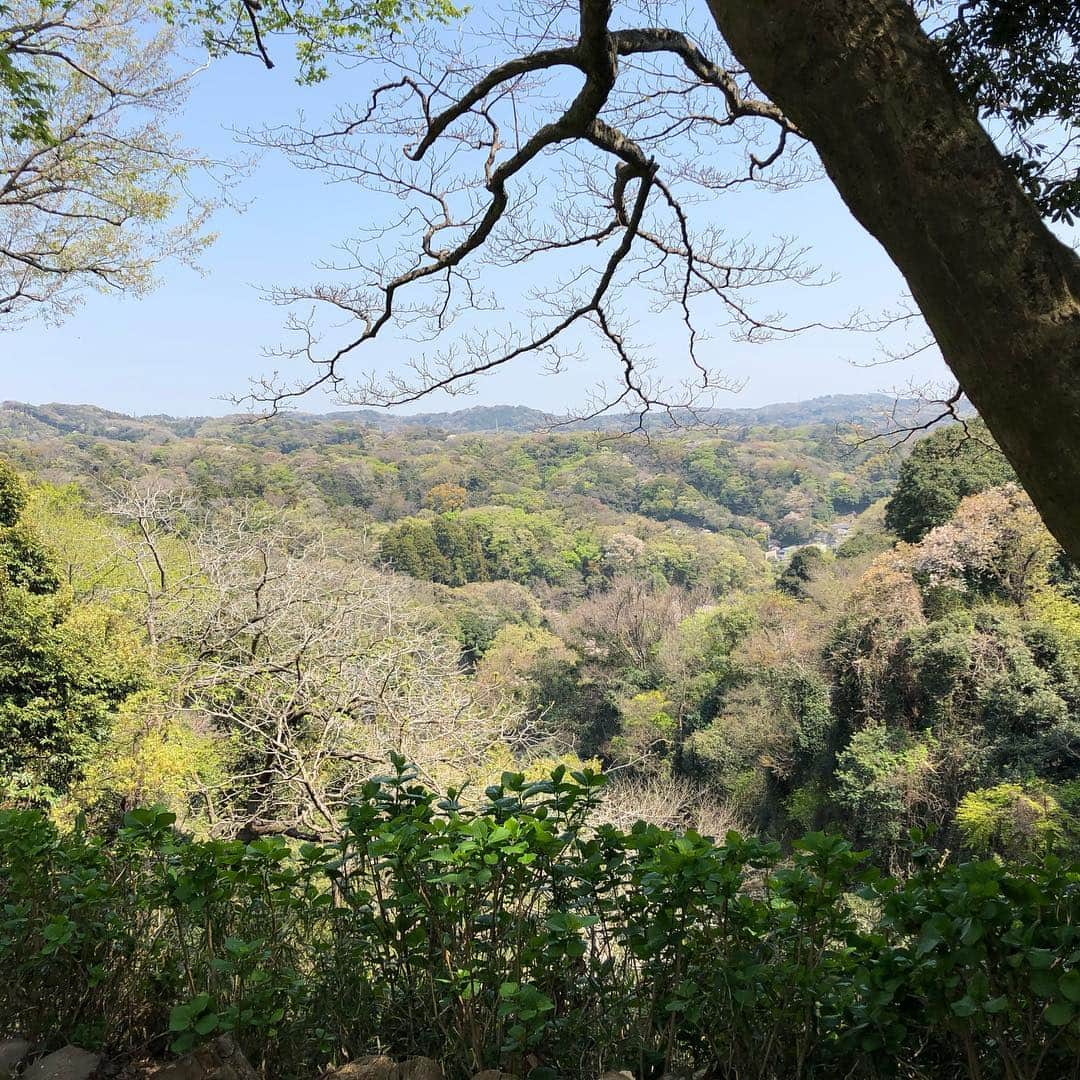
198,339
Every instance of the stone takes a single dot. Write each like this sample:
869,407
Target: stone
419,1068
12,1052
379,1067
219,1059
67,1063
611,1075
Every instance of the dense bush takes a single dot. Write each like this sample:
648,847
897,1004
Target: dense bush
954,462
514,933
65,668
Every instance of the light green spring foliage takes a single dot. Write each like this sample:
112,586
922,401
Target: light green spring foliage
65,668
32,88
87,549
81,679
97,190
647,731
504,542
149,755
318,29
1061,612
1012,821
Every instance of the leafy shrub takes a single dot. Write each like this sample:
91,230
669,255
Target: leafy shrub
516,934
954,462
1007,818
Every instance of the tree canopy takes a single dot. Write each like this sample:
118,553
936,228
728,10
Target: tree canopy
1017,64
95,190
941,470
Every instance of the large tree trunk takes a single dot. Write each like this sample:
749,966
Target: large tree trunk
1000,293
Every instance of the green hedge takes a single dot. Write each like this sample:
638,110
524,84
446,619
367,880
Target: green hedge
515,934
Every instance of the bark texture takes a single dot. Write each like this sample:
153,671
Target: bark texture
999,291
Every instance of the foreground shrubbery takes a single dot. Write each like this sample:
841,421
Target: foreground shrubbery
515,934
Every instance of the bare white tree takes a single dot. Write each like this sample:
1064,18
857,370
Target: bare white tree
153,507
316,667
668,801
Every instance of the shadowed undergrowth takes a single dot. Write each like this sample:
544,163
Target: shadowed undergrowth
515,933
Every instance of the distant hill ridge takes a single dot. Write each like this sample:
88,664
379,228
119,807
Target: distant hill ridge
23,421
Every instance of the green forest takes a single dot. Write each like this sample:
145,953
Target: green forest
253,659
616,727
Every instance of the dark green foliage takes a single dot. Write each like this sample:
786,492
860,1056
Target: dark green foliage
494,544
714,472
62,674
863,542
942,469
411,548
22,94
12,495
1065,575
24,561
476,630
804,566
956,703
807,697
513,934
1017,63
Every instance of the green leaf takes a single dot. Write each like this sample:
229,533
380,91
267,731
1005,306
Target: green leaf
928,940
1043,983
179,1018
1069,985
1059,1013
205,1024
973,932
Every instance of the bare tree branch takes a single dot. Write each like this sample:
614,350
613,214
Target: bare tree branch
493,172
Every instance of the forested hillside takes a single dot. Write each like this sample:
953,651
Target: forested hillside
875,412
259,656
773,627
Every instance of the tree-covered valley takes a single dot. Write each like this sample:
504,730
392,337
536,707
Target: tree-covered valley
218,636
778,628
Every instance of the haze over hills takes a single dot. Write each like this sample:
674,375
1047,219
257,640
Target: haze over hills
21,420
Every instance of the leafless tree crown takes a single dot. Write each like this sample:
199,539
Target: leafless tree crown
561,158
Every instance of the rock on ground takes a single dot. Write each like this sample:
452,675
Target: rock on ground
68,1063
12,1052
419,1068
380,1067
220,1059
